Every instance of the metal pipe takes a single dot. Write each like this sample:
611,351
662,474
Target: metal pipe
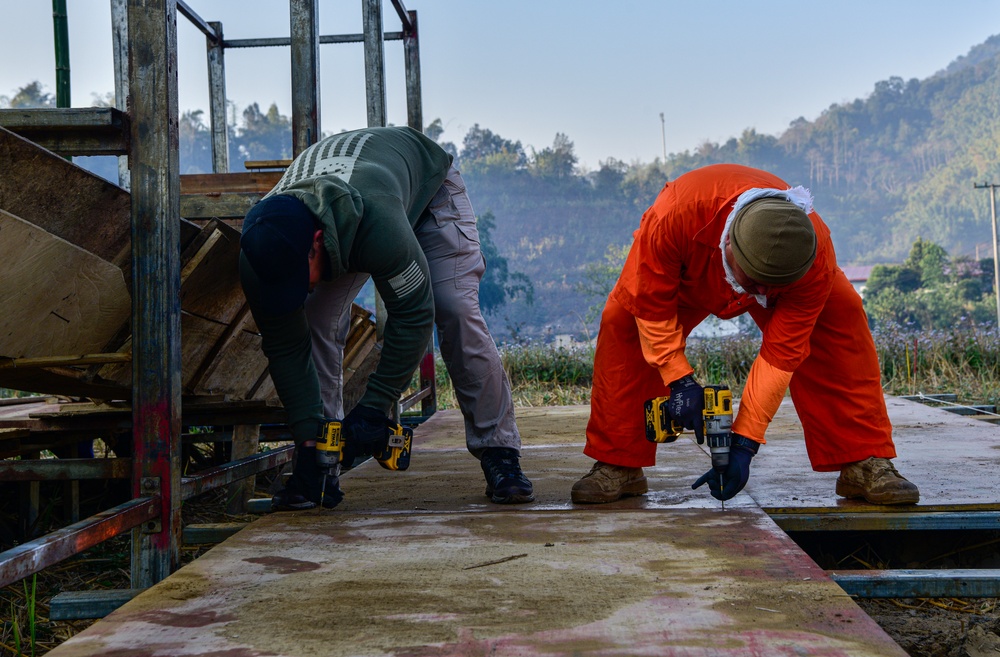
217,101
208,29
407,18
304,16
156,326
996,244
896,521
119,44
65,469
952,583
230,472
284,41
60,21
33,556
371,11
996,250
414,100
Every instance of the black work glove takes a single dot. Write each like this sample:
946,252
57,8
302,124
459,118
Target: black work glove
686,403
366,431
741,451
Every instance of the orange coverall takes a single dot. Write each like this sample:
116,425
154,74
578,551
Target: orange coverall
673,278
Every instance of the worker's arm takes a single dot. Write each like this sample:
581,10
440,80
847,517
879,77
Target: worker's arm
762,395
287,344
663,348
387,248
786,344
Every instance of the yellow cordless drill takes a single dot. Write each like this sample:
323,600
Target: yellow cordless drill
717,416
330,450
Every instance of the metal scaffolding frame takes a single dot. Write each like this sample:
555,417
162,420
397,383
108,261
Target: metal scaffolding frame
143,131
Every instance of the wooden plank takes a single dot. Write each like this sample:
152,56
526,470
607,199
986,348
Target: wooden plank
222,205
246,441
88,211
236,370
57,298
254,181
78,118
63,361
71,131
210,283
267,164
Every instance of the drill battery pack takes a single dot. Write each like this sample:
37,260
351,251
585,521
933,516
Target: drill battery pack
396,455
660,427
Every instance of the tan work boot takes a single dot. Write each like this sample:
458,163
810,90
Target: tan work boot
607,483
876,480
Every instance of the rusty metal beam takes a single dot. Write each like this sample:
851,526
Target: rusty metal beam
156,326
886,521
952,583
414,97
329,38
65,469
199,22
230,472
27,558
304,18
371,12
408,18
217,102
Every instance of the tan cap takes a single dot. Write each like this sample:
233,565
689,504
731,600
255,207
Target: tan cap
773,241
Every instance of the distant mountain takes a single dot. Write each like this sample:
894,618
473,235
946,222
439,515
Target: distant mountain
884,169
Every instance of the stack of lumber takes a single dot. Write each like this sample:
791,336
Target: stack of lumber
65,282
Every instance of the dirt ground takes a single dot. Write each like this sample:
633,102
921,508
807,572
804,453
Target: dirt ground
940,628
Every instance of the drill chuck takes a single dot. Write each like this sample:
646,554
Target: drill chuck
718,417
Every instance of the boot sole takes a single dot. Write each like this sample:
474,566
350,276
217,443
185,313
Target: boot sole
631,489
513,499
851,491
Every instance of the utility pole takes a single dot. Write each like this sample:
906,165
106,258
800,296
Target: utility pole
663,132
996,245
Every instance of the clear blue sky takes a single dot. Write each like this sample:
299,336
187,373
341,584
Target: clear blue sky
599,71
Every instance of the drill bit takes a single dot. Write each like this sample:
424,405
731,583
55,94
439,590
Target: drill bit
322,492
720,492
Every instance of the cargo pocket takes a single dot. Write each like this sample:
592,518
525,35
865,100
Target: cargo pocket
442,207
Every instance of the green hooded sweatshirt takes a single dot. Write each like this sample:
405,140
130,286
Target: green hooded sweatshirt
369,189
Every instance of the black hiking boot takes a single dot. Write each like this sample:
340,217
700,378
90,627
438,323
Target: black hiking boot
302,491
505,483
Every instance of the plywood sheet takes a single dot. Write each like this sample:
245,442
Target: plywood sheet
57,299
64,199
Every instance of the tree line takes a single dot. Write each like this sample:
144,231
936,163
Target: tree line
889,172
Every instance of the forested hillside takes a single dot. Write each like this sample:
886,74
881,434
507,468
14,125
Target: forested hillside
885,169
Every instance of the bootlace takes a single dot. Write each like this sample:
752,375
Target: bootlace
504,466
881,467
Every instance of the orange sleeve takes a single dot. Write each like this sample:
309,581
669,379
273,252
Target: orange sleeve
764,390
663,348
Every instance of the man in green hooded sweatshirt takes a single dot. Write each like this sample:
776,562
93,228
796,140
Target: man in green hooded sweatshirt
384,203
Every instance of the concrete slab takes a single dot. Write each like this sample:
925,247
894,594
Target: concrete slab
953,459
419,563
679,582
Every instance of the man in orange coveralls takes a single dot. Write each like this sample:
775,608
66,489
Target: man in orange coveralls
725,240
